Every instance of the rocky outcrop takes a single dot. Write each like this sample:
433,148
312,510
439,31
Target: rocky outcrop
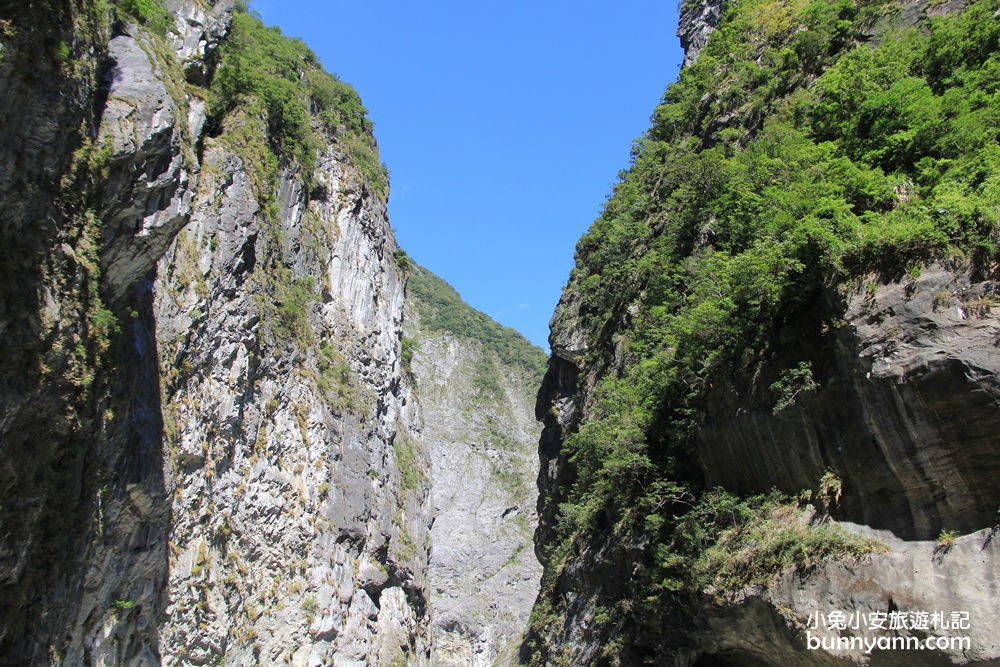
42,284
889,416
481,438
940,596
150,130
557,407
698,19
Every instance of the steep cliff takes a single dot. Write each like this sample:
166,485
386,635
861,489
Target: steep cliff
93,188
207,442
773,379
297,534
476,383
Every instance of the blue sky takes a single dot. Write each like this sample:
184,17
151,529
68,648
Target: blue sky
504,126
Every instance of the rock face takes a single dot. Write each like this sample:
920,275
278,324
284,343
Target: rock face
91,135
481,437
698,19
295,534
151,136
208,452
890,415
940,594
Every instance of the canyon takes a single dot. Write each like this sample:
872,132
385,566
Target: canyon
240,425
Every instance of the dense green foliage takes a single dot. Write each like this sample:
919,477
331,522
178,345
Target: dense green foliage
441,309
146,12
793,156
266,74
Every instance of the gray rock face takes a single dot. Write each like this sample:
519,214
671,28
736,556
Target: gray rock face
897,384
481,439
941,595
890,417
697,21
39,404
151,136
80,441
205,439
295,537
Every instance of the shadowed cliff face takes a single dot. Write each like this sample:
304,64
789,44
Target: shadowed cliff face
82,492
905,412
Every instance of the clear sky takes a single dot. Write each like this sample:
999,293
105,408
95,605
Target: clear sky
503,124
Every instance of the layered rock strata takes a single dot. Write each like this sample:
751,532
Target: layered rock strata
295,534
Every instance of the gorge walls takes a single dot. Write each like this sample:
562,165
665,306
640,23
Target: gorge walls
213,449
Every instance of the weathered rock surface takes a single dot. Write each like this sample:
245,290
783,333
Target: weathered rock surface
204,425
943,595
294,537
481,440
151,136
42,279
698,19
83,492
897,384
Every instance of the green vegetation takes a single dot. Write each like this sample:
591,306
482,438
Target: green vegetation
409,346
404,546
145,12
731,544
486,380
292,300
411,469
263,74
946,539
441,309
406,356
336,380
123,605
403,261
830,489
793,382
790,159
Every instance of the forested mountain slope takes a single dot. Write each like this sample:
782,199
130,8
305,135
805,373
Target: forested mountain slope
790,288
